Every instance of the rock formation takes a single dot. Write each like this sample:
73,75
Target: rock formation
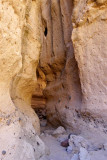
55,50
19,55
74,74
58,65
89,40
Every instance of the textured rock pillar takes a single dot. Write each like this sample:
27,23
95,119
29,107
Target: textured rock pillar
18,125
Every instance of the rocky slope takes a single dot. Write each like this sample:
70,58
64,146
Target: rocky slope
66,146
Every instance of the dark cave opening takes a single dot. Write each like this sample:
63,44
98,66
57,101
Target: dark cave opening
46,31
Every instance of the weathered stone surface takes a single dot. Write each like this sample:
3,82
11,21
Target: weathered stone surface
60,130
78,142
75,157
58,71
73,98
69,149
19,54
84,155
89,40
24,82
42,29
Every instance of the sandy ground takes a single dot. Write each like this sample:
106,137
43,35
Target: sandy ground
56,151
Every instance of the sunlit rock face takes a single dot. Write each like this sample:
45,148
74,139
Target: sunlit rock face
55,50
89,40
19,55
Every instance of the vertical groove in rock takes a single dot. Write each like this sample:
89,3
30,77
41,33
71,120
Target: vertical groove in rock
39,31
62,91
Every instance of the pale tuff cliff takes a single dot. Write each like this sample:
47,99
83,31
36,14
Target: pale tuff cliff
64,42
89,41
19,54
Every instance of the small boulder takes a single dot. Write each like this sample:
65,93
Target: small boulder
78,141
60,130
48,131
69,149
84,155
65,143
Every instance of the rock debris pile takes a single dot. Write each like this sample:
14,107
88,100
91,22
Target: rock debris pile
74,147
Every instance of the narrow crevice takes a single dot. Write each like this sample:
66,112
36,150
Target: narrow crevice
46,31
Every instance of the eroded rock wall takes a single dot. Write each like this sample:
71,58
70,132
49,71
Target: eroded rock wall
19,55
33,31
72,77
58,65
89,40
